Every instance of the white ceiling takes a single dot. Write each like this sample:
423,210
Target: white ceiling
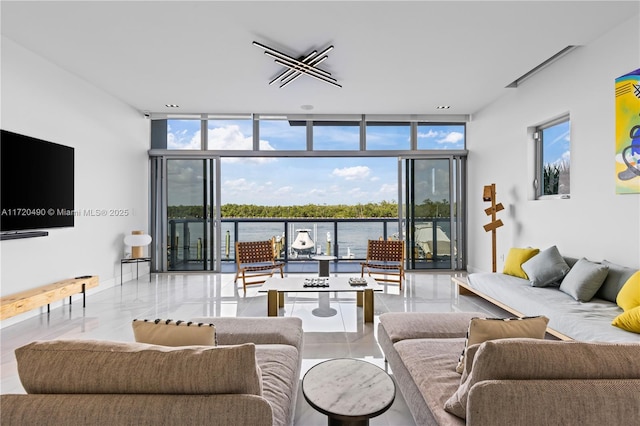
390,57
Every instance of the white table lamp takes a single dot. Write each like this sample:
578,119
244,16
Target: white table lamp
138,240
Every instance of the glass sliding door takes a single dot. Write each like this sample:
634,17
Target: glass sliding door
191,215
433,213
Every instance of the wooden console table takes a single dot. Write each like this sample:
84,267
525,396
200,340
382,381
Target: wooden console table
24,301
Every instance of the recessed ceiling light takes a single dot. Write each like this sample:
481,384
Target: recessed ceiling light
172,106
306,107
443,107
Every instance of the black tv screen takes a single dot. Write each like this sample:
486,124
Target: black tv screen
37,181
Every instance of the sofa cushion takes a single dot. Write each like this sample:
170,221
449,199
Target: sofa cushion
628,320
629,295
431,366
515,258
280,375
531,359
546,268
483,329
616,277
174,333
238,330
95,366
584,280
421,325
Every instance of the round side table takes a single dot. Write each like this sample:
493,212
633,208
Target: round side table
323,264
348,391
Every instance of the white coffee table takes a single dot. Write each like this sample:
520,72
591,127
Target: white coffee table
276,288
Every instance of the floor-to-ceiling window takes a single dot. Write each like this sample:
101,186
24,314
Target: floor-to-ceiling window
201,163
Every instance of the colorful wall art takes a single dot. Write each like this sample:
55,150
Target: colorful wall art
628,133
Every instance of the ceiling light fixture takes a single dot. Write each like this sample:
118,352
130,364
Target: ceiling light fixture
296,68
172,106
443,107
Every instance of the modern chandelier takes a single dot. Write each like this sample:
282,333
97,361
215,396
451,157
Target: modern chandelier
306,65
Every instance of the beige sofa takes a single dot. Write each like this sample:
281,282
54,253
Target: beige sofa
250,378
512,381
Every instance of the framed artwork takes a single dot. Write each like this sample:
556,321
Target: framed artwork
628,133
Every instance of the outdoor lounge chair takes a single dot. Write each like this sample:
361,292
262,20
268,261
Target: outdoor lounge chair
384,257
256,259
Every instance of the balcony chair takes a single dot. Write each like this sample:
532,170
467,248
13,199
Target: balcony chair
382,257
256,259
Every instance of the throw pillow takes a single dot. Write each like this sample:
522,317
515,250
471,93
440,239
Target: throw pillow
107,367
629,295
617,276
483,329
546,268
628,320
174,333
584,279
515,258
535,359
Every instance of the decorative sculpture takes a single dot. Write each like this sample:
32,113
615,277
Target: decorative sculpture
489,195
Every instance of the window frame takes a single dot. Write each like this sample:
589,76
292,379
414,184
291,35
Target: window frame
539,146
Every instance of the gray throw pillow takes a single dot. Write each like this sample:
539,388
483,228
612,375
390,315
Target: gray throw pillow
584,280
617,276
546,268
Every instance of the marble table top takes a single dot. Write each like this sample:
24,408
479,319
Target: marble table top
324,257
348,389
296,284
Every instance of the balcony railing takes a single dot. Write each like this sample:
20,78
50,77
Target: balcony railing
344,238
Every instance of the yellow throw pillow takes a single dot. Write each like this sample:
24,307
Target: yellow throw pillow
515,259
629,295
629,320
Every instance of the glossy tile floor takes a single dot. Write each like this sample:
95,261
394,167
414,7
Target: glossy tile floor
109,313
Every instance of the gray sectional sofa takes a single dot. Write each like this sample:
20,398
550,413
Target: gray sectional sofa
568,318
250,378
508,381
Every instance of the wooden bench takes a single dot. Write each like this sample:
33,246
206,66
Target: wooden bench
256,259
27,300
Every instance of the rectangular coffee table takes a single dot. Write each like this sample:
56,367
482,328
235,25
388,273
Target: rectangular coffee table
276,288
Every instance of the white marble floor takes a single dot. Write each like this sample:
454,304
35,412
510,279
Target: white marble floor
109,313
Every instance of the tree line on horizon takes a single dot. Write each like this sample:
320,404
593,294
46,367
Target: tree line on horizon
383,209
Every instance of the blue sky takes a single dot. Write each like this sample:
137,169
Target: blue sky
297,181
557,144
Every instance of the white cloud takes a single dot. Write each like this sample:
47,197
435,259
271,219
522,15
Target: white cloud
451,137
284,190
317,192
232,139
237,185
388,189
430,134
180,140
352,173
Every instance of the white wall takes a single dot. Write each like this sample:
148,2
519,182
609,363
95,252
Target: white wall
110,138
595,223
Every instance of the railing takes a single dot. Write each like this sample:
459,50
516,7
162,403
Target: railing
344,238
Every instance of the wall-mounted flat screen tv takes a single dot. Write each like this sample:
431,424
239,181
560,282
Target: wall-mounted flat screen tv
37,183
